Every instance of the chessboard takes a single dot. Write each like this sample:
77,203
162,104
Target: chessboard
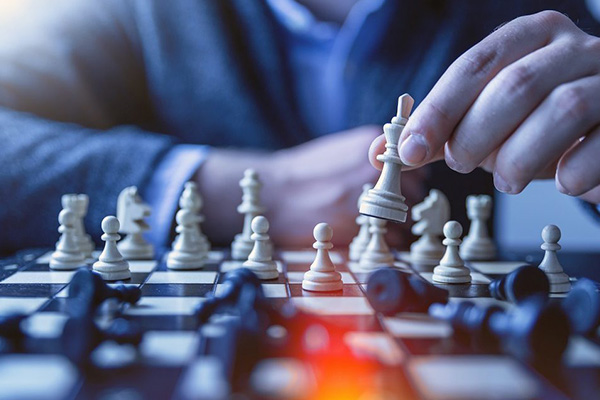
408,355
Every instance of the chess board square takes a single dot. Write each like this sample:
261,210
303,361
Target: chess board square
142,266
477,278
347,291
215,256
190,277
177,289
45,324
164,306
28,376
298,276
30,290
272,290
50,277
24,305
414,325
582,353
334,305
472,377
308,256
378,346
357,269
229,265
169,347
496,267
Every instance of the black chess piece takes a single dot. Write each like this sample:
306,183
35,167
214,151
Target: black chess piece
81,336
229,295
582,306
88,290
523,282
391,291
536,330
11,334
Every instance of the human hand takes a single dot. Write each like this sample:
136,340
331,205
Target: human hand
524,103
318,181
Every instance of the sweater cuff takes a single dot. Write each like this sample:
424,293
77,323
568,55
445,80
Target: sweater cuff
162,193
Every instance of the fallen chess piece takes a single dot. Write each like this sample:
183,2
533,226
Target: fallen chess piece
11,334
88,290
582,306
536,330
391,291
81,336
521,283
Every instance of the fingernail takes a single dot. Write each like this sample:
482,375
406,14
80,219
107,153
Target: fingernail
455,165
501,184
560,187
413,150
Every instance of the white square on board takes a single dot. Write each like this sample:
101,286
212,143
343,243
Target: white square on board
49,277
496,267
142,266
272,290
472,377
164,306
45,324
378,346
189,277
24,305
229,265
334,305
169,347
414,325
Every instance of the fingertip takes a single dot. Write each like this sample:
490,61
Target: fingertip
413,150
377,147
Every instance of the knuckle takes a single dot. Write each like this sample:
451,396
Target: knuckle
551,19
478,62
517,79
571,103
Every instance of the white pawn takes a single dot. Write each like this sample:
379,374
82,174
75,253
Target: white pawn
452,268
322,276
67,255
477,245
559,281
377,253
242,244
430,216
360,241
191,200
111,265
260,261
186,253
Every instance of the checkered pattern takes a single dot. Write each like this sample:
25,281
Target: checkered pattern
416,348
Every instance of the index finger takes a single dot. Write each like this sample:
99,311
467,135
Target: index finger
434,120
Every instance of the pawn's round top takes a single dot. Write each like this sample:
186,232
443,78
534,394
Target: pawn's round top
260,225
551,234
250,173
67,217
110,224
184,217
452,230
323,232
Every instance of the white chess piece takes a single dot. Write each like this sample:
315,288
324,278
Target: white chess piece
477,245
260,261
430,217
385,200
377,254
452,268
111,265
67,255
322,276
78,203
559,281
360,241
242,244
186,252
131,211
191,200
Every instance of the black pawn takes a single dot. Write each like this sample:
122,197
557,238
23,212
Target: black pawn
88,290
391,291
229,295
536,330
523,282
81,336
582,306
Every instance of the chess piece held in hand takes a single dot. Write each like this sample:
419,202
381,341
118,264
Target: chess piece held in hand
385,200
